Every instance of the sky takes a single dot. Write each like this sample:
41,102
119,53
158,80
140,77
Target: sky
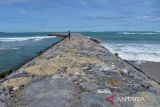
79,15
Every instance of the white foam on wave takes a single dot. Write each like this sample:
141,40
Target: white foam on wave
18,39
135,52
9,48
143,33
128,33
149,33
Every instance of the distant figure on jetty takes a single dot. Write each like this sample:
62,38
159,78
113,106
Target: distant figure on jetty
69,35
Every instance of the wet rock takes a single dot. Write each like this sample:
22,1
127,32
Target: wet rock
96,40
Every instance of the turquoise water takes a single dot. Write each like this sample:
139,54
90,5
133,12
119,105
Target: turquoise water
137,46
16,48
127,37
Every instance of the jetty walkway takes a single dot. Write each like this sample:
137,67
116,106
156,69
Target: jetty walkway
77,73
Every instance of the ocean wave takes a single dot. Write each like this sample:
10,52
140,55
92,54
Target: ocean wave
140,56
9,48
140,33
136,52
128,33
18,39
149,33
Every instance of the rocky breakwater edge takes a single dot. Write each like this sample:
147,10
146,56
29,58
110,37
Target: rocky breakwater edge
72,73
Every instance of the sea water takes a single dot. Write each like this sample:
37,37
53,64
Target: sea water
136,46
16,48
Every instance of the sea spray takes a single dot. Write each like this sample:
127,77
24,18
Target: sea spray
135,52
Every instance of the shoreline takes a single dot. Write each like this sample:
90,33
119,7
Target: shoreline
70,73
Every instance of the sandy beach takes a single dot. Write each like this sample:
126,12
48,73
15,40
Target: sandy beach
152,69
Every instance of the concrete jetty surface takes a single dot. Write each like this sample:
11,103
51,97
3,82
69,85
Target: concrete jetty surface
78,73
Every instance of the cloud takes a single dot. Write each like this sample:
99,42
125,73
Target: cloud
13,1
124,18
83,3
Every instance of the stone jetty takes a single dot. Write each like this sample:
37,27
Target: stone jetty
78,73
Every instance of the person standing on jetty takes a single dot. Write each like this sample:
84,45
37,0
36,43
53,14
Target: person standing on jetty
69,35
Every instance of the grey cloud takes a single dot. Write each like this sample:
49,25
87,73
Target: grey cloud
124,18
